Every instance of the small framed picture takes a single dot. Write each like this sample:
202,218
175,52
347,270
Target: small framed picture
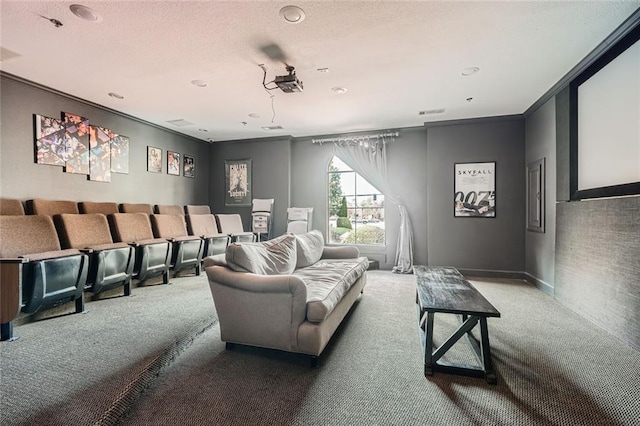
173,163
189,169
154,159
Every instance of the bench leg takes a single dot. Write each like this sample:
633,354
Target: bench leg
486,353
428,345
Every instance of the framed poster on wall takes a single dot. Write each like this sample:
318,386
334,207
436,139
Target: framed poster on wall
237,182
173,163
189,169
474,190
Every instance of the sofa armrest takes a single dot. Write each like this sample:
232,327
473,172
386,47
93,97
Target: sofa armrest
343,252
258,310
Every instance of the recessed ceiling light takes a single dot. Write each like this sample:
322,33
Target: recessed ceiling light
199,83
323,70
203,130
254,115
85,13
470,71
292,14
115,95
339,90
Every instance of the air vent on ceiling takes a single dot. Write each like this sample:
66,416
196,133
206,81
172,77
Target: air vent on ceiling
180,123
431,111
269,128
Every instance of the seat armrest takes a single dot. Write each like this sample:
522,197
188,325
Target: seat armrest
14,260
258,310
345,252
256,283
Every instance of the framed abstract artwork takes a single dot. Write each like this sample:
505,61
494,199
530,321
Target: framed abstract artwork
120,154
100,154
76,143
49,146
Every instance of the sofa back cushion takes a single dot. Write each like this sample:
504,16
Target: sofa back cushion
309,248
273,257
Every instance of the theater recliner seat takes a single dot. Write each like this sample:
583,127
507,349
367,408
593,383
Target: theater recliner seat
205,227
31,258
136,208
153,255
187,249
169,209
10,206
40,206
197,209
106,208
110,264
231,224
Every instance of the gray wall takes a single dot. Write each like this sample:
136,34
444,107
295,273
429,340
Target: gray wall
406,157
477,244
23,179
540,141
271,176
598,263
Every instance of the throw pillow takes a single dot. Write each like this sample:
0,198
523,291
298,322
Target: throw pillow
309,248
273,257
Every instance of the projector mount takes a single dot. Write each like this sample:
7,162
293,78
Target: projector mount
287,83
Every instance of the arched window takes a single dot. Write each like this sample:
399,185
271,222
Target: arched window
356,208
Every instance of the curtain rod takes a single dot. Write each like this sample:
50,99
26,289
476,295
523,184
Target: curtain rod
359,138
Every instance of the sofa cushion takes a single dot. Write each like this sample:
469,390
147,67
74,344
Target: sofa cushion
273,257
327,282
309,248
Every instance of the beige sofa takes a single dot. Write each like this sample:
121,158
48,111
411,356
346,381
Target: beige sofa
290,293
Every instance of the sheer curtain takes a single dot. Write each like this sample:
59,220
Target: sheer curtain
369,160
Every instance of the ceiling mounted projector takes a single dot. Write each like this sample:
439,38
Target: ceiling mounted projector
288,83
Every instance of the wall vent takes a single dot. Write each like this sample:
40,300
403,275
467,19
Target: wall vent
180,122
431,111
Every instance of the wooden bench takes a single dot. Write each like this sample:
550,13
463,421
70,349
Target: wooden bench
445,290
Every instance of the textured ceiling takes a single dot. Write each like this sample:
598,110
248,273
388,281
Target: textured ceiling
394,58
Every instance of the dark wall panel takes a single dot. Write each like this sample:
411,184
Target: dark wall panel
598,263
540,142
271,171
495,244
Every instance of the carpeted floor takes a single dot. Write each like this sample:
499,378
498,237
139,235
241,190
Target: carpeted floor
554,368
84,369
156,359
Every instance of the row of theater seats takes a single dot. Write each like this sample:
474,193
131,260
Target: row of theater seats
51,255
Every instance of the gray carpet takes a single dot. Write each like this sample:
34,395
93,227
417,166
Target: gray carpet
156,359
553,368
85,369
